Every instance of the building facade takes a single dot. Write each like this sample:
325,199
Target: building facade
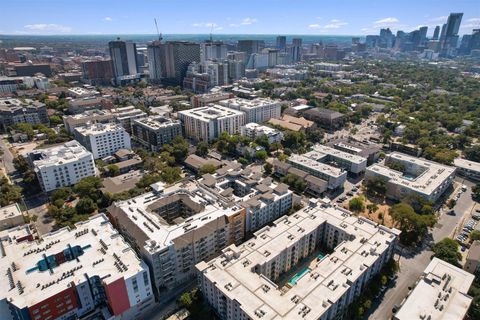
103,139
244,281
207,123
13,111
257,110
62,166
73,273
253,130
153,132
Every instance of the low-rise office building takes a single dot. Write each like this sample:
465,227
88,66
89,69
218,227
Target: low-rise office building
14,111
441,293
468,169
253,130
334,176
202,100
11,216
71,273
103,139
472,262
418,177
369,150
207,123
155,131
248,281
354,164
257,110
315,186
126,115
62,166
91,116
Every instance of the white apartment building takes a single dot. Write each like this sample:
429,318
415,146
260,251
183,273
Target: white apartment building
468,169
441,293
253,130
103,139
335,177
201,100
62,166
207,123
176,227
71,273
90,116
258,110
419,177
263,199
352,163
244,282
125,116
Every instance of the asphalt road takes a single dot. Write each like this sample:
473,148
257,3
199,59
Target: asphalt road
7,157
413,262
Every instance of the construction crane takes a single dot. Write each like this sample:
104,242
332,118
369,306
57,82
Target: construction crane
159,34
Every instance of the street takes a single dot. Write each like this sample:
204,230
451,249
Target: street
413,262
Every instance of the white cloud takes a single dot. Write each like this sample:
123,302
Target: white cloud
386,22
107,19
333,24
471,23
248,21
209,25
441,19
47,28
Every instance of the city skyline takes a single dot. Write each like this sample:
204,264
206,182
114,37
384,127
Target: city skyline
53,17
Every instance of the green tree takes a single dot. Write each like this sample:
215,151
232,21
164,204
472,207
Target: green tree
375,187
55,120
113,170
171,174
208,168
372,207
88,187
268,168
202,149
447,250
475,235
9,193
356,204
148,179
85,206
261,155
412,225
473,153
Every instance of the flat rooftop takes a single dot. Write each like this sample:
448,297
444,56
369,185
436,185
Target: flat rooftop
94,129
440,294
308,161
10,211
240,103
329,151
434,174
157,122
263,129
467,164
94,247
68,152
324,282
211,112
159,234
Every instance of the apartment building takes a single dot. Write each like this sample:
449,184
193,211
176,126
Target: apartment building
155,131
263,199
71,273
253,130
345,252
207,123
258,110
13,111
335,177
176,227
441,293
125,116
419,177
62,165
103,139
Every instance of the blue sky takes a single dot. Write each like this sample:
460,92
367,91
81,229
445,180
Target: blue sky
340,17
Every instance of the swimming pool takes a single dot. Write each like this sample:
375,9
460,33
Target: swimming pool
299,274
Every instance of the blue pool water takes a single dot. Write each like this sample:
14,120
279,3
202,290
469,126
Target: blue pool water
296,277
